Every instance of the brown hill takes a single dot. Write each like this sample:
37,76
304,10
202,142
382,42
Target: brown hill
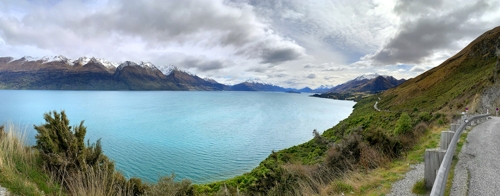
455,84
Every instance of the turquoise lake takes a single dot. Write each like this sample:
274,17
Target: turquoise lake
202,136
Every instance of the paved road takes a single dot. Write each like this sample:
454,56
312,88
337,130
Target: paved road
480,159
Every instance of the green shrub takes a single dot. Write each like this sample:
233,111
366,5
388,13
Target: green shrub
425,116
403,124
167,186
62,147
83,169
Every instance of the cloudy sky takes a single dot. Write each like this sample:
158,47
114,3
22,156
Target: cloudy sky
292,43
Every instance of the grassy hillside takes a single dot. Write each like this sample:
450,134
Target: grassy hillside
369,139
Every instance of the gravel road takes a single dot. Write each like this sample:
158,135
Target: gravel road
403,187
477,169
3,191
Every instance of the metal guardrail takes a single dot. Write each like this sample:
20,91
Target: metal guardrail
442,175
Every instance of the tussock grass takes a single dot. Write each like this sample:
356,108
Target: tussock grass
21,167
378,181
419,187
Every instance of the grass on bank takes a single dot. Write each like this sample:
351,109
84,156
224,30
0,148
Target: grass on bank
379,181
21,168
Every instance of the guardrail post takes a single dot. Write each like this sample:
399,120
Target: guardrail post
433,159
446,137
454,127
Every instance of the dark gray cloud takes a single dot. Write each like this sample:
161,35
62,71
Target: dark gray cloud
202,64
280,55
311,76
429,27
258,69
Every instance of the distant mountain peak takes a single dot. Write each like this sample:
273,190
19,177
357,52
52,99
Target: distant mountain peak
325,87
59,58
167,69
125,64
256,81
144,65
81,61
148,66
210,80
369,76
107,64
28,58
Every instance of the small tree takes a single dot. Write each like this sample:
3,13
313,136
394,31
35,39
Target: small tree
403,124
62,147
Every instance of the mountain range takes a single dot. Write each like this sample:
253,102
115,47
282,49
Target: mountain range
370,83
61,73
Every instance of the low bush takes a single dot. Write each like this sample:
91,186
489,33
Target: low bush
403,124
425,116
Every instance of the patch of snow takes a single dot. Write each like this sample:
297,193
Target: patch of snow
28,58
370,76
325,87
107,64
82,61
210,80
125,64
148,66
167,69
58,58
257,81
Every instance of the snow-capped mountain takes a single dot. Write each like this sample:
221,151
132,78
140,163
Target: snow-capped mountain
81,61
369,76
59,58
28,58
256,81
145,65
167,69
107,64
368,83
90,73
325,87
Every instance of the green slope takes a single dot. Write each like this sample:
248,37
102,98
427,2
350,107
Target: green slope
367,138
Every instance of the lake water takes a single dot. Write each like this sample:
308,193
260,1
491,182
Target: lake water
203,136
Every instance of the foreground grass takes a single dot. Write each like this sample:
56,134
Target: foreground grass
21,167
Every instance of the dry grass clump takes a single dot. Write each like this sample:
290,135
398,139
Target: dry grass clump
20,168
